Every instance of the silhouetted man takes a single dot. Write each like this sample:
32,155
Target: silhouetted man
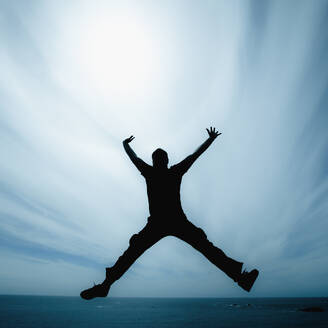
168,219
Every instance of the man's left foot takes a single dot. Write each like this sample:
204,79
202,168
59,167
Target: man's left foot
247,279
96,291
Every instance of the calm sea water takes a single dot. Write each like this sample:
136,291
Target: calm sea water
69,312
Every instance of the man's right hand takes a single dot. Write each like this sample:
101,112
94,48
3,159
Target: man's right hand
128,140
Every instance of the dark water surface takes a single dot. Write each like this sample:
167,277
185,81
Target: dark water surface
51,311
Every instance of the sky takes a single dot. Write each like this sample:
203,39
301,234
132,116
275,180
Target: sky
78,77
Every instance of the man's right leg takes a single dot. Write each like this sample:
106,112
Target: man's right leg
138,244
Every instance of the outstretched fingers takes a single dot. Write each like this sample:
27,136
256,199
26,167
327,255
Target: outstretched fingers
212,132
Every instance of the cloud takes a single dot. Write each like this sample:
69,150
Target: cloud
70,198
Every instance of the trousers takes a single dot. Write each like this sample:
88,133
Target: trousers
180,227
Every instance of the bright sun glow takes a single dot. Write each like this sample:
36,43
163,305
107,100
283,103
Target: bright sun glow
114,62
119,56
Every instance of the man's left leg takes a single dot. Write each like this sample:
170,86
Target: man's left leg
197,238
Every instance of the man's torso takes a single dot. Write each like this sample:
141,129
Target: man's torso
163,190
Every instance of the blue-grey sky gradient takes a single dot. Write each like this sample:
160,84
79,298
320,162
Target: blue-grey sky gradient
78,77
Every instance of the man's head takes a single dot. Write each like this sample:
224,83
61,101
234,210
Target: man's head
160,158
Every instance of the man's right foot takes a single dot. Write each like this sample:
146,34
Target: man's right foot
247,279
96,291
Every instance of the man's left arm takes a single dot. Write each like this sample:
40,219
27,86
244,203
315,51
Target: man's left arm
189,160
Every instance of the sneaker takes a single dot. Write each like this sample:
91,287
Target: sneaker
100,290
247,279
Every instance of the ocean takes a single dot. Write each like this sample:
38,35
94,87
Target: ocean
69,312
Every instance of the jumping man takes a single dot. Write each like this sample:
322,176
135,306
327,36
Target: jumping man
168,219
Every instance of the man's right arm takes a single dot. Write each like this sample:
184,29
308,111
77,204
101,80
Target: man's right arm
138,162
